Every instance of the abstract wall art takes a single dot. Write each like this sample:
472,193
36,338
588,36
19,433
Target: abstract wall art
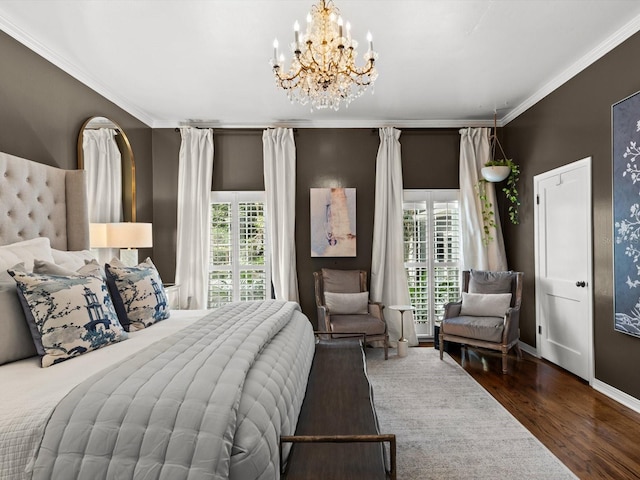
333,222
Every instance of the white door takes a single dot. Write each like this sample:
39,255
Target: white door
563,267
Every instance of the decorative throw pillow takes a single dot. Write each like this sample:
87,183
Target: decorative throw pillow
490,282
347,303
138,294
485,304
67,314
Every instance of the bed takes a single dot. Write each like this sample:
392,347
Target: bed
200,394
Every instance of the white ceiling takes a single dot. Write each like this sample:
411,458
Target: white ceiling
441,62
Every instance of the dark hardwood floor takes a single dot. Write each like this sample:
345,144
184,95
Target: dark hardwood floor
596,437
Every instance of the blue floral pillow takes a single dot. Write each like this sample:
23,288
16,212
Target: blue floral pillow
138,294
67,314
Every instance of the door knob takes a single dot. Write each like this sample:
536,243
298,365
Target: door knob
581,284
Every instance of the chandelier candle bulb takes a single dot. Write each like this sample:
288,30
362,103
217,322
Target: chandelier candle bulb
275,52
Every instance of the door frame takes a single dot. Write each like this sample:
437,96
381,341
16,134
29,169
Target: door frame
585,162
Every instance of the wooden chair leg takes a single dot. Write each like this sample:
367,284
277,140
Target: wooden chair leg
441,345
504,362
518,351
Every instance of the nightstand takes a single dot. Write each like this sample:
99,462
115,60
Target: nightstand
173,295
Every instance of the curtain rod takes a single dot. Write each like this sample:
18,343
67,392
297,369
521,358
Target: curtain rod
235,130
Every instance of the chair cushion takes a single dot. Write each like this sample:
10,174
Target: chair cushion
480,328
357,324
485,304
347,303
490,282
341,281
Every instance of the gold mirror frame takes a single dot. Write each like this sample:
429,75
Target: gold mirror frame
128,166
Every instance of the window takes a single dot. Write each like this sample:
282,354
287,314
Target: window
431,253
238,266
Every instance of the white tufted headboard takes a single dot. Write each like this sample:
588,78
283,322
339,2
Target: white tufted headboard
37,200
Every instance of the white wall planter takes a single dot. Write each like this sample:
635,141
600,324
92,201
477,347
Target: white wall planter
496,173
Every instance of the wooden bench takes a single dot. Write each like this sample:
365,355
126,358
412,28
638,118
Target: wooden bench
337,433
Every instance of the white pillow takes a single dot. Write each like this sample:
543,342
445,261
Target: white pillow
347,303
485,304
26,251
71,260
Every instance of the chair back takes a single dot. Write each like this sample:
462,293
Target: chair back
480,281
338,281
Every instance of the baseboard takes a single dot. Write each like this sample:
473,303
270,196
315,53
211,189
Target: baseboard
525,347
604,388
617,395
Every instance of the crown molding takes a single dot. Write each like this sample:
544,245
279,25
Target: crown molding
354,123
598,52
45,52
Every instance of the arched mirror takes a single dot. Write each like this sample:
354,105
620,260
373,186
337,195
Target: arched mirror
105,152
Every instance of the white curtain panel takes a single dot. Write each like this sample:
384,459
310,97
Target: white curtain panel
195,172
474,153
279,152
389,283
103,163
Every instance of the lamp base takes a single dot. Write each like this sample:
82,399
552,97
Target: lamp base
129,256
403,347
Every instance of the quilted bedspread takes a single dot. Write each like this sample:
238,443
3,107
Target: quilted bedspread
208,403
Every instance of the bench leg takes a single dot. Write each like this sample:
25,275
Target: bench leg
386,347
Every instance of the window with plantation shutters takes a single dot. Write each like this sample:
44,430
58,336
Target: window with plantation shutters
238,267
431,253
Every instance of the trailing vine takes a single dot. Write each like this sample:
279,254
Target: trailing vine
488,217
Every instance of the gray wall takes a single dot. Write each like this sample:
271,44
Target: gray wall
572,123
42,110
325,157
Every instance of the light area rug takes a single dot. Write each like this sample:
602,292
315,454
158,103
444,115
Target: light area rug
448,426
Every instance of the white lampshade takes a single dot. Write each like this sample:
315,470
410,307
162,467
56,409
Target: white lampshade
129,235
98,235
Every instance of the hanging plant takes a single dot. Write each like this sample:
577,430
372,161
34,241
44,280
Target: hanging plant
511,173
510,190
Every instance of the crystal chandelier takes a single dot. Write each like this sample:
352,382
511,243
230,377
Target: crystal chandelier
323,70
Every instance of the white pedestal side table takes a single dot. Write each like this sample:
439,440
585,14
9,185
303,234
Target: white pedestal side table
403,343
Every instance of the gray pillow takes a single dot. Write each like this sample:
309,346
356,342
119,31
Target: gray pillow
347,303
15,338
91,267
490,282
341,281
485,304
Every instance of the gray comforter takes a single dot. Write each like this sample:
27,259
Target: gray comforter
210,402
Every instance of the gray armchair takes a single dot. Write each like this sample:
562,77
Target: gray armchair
482,320
344,307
